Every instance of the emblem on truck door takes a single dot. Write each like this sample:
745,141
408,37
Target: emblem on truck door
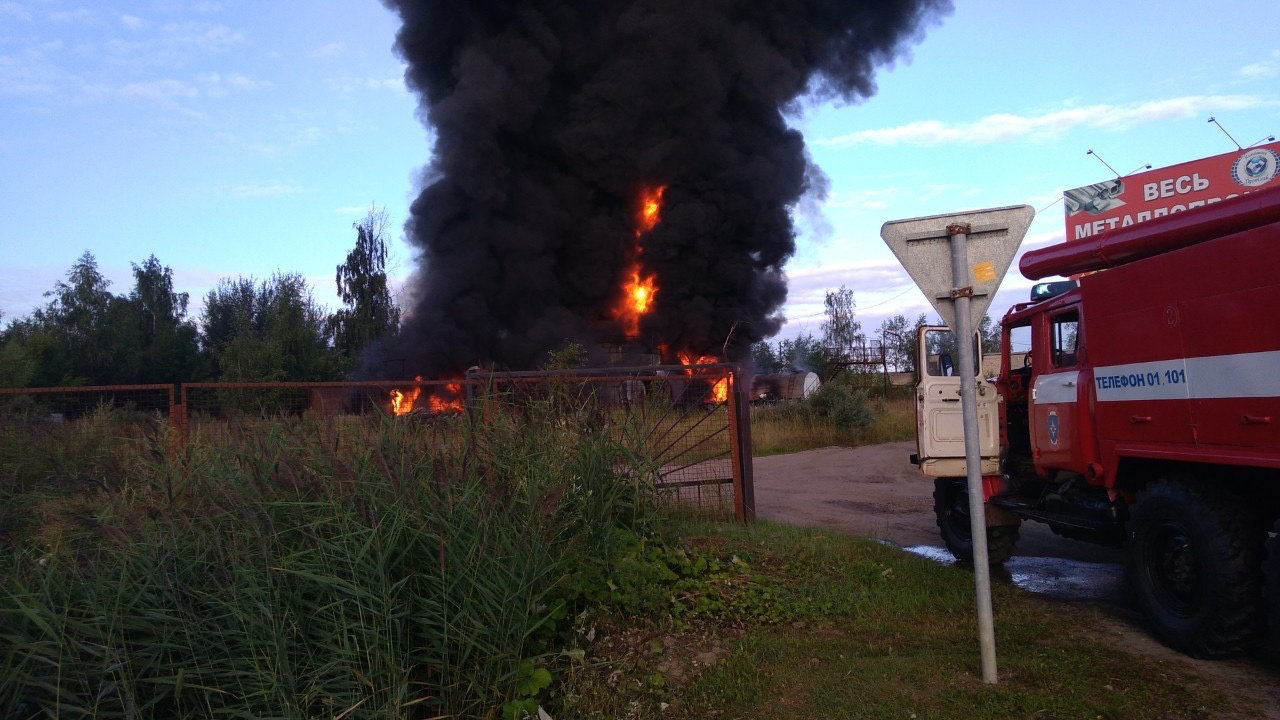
1053,427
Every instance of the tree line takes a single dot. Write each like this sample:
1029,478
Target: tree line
248,330
842,334
273,330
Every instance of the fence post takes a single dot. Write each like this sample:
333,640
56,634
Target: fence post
182,416
177,422
739,411
173,410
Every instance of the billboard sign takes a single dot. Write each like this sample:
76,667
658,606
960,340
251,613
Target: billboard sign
1120,202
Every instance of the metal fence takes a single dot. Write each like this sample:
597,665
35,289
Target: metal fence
89,435
692,421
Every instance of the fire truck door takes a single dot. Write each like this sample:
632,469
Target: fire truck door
1055,395
939,418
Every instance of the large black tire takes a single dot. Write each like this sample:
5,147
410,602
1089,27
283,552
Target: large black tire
1194,555
1271,573
951,506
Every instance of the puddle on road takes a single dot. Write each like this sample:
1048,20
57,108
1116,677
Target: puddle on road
1055,577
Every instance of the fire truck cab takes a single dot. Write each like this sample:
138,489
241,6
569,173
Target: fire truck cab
1145,412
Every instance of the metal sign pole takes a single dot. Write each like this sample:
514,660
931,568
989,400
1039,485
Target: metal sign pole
925,245
960,294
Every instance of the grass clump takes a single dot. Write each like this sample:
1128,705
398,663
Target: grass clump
305,568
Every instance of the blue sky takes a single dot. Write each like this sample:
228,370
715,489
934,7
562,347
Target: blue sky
242,138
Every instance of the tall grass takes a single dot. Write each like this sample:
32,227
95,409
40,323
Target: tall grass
313,568
839,416
66,464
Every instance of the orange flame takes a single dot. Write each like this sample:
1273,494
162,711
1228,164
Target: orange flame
719,391
402,403
639,288
443,405
637,298
650,209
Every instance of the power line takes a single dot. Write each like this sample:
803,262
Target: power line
889,300
1046,207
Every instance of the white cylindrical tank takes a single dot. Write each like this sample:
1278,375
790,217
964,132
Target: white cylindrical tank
773,387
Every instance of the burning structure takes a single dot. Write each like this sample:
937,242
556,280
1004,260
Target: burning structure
619,170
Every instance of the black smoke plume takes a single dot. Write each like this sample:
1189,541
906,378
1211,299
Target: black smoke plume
551,116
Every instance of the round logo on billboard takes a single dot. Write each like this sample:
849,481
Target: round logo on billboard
1256,167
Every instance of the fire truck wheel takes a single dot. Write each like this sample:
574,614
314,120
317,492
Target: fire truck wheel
1194,558
951,506
1271,571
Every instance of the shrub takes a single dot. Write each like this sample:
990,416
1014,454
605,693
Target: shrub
844,406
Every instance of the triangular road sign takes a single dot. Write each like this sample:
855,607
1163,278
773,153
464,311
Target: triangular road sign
923,246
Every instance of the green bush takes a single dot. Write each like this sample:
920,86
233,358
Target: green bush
843,406
835,403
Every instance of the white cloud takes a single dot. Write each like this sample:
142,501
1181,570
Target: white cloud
348,84
332,49
1260,70
243,82
133,22
810,285
15,10
882,288
68,16
1043,201
162,91
308,136
878,199
866,198
259,190
171,45
1008,127
26,78
1035,241
219,85
202,36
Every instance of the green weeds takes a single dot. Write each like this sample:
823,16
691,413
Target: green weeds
836,415
450,567
797,623
303,568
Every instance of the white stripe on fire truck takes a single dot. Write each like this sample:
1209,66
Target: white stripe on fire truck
1199,378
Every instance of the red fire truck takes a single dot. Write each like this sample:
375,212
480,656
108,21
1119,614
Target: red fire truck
1138,405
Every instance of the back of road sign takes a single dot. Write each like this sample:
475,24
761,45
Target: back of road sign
923,246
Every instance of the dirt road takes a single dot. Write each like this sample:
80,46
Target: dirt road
873,491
